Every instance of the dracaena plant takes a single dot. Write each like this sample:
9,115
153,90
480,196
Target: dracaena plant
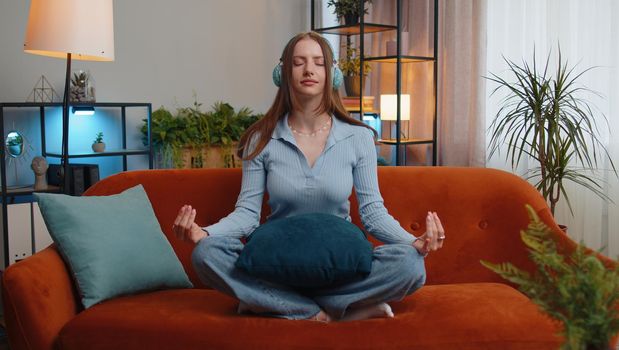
545,117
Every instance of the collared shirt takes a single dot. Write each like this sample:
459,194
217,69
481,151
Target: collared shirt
348,159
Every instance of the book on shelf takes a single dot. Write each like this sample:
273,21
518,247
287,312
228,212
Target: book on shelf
82,176
353,103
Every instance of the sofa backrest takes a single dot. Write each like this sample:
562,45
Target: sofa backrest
482,210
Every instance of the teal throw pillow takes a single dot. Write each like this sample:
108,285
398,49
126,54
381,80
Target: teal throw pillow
309,250
113,245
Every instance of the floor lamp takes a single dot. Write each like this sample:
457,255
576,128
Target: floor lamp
75,30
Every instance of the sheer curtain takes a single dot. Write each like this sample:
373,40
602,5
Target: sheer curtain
461,87
587,33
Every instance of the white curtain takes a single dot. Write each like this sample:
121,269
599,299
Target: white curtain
461,88
587,32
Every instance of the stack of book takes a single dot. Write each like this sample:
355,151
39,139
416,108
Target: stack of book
82,176
352,104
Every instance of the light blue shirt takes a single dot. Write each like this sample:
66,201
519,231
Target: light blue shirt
348,159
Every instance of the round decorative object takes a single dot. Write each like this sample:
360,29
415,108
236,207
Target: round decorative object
98,147
14,143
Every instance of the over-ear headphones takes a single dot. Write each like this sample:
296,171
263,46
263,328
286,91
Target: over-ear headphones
337,77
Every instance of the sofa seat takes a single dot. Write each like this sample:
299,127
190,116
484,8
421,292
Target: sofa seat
435,317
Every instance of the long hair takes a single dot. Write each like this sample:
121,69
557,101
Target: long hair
286,100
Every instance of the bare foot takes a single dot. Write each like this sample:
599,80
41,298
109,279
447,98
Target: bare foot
321,317
382,310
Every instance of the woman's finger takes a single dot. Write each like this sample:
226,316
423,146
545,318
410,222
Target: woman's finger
431,234
185,223
192,218
178,216
441,231
437,232
175,225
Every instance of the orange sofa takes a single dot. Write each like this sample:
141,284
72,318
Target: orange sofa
462,306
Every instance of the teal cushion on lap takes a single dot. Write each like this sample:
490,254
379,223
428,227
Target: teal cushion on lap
113,245
309,250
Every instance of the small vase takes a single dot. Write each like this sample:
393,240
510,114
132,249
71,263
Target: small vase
98,147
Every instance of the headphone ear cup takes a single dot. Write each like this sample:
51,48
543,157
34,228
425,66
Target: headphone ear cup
277,75
337,77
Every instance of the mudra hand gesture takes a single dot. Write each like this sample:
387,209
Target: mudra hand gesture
434,237
184,226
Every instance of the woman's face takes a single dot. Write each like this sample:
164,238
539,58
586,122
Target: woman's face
308,69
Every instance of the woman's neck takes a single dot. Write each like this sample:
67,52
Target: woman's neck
307,122
306,118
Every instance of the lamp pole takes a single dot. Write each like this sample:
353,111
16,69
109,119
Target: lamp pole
64,156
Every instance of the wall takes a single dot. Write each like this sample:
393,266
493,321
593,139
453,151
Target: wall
167,50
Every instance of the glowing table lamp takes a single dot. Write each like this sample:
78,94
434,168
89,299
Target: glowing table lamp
389,108
71,29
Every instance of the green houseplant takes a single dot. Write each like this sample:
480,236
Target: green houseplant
545,117
576,290
192,137
351,69
348,10
98,145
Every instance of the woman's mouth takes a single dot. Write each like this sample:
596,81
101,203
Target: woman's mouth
308,82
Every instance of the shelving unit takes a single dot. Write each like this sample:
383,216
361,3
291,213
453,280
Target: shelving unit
11,193
363,28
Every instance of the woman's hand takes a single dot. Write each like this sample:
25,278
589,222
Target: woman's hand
434,237
184,226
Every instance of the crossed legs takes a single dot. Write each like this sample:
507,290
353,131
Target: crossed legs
397,271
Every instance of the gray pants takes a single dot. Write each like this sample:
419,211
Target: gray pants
397,271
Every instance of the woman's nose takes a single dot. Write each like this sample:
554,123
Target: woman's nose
309,69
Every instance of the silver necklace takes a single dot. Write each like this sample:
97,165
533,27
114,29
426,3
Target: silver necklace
324,127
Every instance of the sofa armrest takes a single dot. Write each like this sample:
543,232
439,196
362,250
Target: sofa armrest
39,299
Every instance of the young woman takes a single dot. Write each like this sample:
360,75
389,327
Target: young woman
307,153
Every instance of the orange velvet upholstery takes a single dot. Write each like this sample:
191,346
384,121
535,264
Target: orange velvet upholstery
463,305
452,316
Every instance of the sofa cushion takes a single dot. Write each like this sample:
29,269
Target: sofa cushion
113,245
452,316
309,250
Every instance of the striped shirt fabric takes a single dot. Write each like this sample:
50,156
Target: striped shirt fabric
348,159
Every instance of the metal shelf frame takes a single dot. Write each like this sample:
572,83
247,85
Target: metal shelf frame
9,194
363,28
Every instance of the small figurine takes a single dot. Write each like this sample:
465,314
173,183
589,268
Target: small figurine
39,166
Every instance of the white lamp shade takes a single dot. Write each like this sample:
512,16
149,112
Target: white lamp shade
389,105
83,28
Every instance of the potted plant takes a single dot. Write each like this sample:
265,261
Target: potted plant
98,145
351,69
82,87
348,9
194,138
545,117
576,290
223,128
